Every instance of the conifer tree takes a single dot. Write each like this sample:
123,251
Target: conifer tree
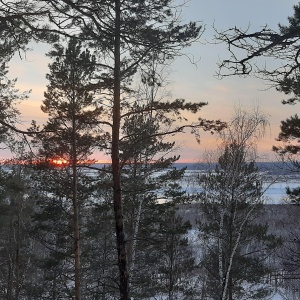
9,97
53,229
290,151
171,256
69,137
148,174
17,276
280,44
289,136
21,22
99,247
126,34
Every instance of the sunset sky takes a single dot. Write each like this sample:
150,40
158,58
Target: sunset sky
194,83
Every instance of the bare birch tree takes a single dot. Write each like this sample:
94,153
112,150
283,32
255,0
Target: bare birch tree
231,197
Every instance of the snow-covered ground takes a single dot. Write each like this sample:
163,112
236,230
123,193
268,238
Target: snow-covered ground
277,296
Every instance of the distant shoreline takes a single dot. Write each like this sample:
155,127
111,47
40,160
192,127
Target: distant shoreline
275,168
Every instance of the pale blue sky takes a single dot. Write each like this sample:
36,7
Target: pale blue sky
200,84
191,82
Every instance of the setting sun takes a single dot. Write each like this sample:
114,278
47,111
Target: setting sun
59,161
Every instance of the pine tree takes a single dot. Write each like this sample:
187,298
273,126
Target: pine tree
280,44
147,175
68,138
175,260
9,96
99,247
290,151
53,228
17,277
127,34
21,22
289,134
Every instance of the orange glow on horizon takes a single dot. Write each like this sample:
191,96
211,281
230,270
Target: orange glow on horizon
58,162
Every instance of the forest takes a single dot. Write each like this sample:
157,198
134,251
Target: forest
72,229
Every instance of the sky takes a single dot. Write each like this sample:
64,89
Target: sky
189,81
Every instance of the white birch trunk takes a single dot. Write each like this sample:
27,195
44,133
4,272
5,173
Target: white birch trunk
220,249
236,244
135,233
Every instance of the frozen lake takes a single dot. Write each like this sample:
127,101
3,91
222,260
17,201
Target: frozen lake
277,179
274,190
275,193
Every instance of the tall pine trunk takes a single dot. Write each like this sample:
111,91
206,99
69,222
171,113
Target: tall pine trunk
117,195
76,235
75,205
